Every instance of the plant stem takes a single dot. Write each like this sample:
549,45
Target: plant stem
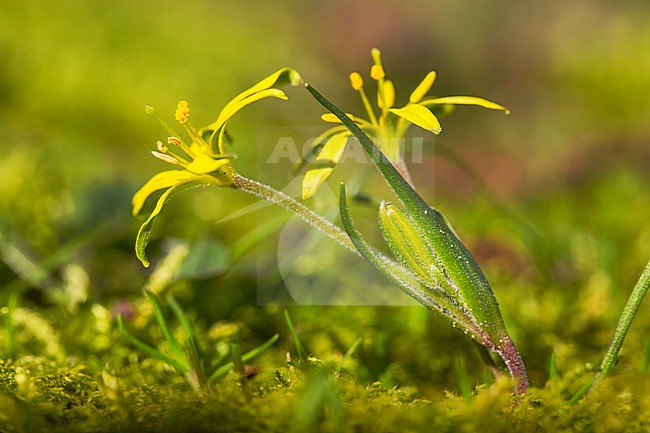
623,326
515,365
309,216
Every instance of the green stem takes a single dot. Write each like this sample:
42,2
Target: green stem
309,216
623,326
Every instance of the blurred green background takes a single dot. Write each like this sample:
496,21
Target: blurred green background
560,219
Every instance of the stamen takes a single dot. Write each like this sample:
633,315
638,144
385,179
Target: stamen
377,72
356,81
182,112
161,147
163,157
174,141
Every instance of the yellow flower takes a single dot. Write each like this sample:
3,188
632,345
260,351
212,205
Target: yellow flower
388,127
204,161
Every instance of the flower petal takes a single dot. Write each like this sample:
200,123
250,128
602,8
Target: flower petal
279,78
324,164
420,116
423,88
330,118
162,180
465,100
308,155
142,240
203,164
231,108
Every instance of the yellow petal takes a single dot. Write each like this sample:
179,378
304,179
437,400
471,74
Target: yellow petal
142,239
231,109
330,118
322,167
203,164
159,181
279,78
420,116
423,88
465,100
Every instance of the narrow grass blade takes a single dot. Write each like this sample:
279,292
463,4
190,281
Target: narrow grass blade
246,357
581,392
185,323
552,368
10,343
300,349
463,381
175,346
624,323
153,353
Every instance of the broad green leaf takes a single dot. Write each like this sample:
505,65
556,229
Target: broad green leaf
420,116
162,180
423,88
436,301
465,100
142,240
410,245
322,167
453,255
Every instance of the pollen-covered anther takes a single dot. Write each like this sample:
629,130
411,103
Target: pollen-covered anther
161,146
377,72
356,81
174,141
183,112
164,157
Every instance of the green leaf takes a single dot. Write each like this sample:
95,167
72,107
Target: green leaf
412,248
465,100
453,255
420,116
437,301
142,240
162,180
302,353
322,167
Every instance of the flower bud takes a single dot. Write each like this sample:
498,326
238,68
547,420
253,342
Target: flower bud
408,243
